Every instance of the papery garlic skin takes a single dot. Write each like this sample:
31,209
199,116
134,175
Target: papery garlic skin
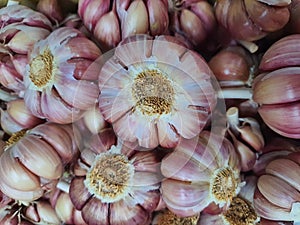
277,196
155,97
200,171
120,183
64,208
59,85
35,158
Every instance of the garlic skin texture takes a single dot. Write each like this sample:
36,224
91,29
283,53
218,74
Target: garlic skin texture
115,184
277,196
21,27
59,85
35,158
200,171
156,97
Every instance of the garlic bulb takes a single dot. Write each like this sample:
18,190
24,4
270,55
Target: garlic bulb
59,85
116,183
200,171
155,97
36,157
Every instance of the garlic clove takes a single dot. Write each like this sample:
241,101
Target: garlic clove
26,15
94,120
151,200
64,209
121,213
79,194
192,26
252,133
21,114
184,198
91,11
230,66
107,30
26,37
60,139
283,81
277,191
246,155
79,94
136,19
38,156
146,162
13,173
282,119
266,209
287,170
96,212
8,124
26,196
205,12
184,167
58,112
52,9
265,158
87,50
145,181
267,17
158,17
233,16
167,135
46,213
282,53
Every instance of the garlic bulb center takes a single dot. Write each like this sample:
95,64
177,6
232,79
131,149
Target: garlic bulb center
167,217
240,212
224,185
153,92
110,177
41,69
15,137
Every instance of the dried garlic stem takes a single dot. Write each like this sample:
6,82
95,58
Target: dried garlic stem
235,93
